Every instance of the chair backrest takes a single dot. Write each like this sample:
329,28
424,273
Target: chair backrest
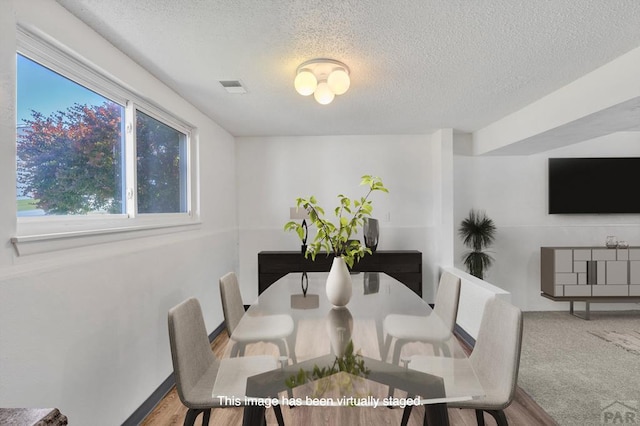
496,354
447,299
190,349
232,306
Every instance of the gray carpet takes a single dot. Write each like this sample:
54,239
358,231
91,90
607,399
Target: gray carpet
572,367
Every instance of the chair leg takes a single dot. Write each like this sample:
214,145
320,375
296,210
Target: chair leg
445,349
500,417
282,347
253,415
192,414
291,345
397,350
436,414
480,417
405,415
206,416
278,412
436,349
387,347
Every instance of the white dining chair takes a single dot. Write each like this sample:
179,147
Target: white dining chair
197,370
277,329
495,360
435,329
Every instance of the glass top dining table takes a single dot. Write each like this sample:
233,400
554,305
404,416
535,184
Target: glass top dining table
337,356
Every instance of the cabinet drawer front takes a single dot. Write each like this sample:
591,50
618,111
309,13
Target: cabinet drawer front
634,278
390,263
622,254
581,254
634,290
564,260
601,277
321,264
566,278
610,290
603,254
279,262
580,266
577,290
617,272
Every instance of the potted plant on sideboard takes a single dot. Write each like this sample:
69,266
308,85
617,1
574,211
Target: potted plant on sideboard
336,238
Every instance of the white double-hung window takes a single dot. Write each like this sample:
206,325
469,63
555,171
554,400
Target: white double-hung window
91,156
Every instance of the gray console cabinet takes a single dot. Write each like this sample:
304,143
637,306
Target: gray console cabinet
590,274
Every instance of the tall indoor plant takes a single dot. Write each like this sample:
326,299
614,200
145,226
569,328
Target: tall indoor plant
478,233
336,238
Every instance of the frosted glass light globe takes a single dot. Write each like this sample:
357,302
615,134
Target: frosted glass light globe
305,82
339,81
323,94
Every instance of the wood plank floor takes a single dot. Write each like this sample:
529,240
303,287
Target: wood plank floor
170,411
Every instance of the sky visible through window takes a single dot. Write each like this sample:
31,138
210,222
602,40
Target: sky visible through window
42,90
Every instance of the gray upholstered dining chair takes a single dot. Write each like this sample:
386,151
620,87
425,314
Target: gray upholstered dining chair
278,329
196,368
435,329
495,359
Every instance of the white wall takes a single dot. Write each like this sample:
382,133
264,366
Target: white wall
85,330
513,192
442,164
273,171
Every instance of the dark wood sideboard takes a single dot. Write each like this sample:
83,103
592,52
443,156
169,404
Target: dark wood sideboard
403,265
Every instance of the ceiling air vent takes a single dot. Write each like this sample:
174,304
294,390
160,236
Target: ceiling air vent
233,86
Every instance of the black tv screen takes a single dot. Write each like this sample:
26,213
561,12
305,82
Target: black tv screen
594,185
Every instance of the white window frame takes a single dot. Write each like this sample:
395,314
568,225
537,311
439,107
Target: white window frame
46,233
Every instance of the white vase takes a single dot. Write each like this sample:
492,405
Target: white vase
339,283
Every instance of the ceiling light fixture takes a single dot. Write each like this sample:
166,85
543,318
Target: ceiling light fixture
324,78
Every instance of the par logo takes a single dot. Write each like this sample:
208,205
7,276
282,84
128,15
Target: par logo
619,413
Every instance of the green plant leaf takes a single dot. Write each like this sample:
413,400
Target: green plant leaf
477,232
348,260
302,377
336,239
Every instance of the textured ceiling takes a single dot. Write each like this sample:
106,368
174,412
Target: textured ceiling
415,65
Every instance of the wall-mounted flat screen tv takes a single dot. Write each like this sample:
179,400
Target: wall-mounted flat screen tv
594,185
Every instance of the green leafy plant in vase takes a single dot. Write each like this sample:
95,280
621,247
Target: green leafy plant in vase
478,233
336,238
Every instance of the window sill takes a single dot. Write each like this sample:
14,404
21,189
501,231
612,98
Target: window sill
30,244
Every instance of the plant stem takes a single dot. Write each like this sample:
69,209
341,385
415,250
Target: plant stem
360,208
326,231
